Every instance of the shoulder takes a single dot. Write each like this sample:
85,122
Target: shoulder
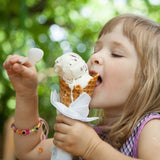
149,141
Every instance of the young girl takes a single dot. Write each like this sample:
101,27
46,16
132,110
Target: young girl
126,56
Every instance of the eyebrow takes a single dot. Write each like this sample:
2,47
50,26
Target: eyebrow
120,45
98,46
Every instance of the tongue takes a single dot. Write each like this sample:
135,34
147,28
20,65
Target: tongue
98,82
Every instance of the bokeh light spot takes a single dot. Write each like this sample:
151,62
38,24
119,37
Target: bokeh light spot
57,33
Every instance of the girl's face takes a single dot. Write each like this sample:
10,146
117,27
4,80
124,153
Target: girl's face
115,59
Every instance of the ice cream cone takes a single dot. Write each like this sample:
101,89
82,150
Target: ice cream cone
66,94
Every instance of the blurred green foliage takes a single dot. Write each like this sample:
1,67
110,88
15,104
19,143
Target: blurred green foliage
55,26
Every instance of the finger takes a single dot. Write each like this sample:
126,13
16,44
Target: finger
16,59
11,59
59,136
63,119
7,64
61,145
23,70
57,143
61,127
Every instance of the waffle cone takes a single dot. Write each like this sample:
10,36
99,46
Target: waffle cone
65,91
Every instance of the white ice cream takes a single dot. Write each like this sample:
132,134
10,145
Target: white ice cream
73,69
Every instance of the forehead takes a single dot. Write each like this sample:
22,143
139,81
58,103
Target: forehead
116,39
115,35
110,25
110,28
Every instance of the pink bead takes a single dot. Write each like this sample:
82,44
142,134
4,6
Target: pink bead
27,132
24,132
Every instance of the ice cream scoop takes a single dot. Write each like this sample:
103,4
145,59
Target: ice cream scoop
34,55
72,69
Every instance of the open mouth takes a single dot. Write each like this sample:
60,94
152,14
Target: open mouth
99,81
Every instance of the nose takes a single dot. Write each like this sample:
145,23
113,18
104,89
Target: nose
96,59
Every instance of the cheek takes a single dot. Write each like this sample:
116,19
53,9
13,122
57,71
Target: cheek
119,81
89,63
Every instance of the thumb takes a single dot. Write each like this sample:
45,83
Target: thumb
22,70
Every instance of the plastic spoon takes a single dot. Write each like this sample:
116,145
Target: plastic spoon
34,56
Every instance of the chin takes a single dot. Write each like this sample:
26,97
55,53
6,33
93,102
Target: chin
93,105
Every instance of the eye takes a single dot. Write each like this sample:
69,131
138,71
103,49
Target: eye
116,55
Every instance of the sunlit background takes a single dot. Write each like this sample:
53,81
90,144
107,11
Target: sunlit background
57,27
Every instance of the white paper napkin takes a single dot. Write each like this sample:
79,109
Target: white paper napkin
59,154
79,110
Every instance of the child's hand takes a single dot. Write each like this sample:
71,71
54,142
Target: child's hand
23,77
75,137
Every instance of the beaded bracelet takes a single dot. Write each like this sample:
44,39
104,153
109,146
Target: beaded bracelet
25,132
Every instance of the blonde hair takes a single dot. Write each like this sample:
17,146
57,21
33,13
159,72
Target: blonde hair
145,95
